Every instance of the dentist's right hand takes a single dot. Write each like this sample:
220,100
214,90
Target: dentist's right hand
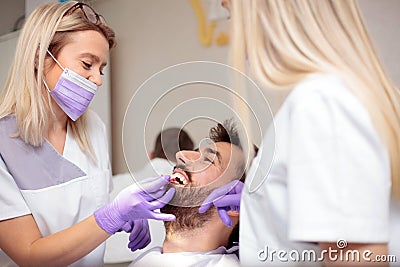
136,202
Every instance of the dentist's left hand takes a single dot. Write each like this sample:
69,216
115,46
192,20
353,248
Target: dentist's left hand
139,237
136,202
224,198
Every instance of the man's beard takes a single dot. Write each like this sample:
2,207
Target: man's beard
185,206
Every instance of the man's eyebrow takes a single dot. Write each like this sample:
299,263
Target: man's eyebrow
212,151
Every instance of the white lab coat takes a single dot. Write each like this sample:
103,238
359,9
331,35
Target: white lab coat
220,257
117,245
59,191
330,179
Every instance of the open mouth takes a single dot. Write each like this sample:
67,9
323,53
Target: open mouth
179,177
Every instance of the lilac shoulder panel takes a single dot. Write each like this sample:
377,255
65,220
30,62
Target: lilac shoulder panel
33,167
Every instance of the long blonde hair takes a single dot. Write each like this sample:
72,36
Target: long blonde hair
46,28
285,40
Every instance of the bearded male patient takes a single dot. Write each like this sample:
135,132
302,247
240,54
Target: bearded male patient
202,239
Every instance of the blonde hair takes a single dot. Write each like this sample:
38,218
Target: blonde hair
46,28
285,40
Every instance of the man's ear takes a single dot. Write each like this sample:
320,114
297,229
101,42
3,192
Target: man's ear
151,155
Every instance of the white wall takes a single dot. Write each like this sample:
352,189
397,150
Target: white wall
151,35
155,34
383,22
30,5
7,48
10,11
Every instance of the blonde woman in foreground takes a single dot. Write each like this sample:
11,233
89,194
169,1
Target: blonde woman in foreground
54,166
332,192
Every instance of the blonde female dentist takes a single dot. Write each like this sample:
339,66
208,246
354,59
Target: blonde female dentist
334,183
54,166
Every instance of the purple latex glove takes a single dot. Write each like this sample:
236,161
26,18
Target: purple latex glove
127,227
136,202
225,198
140,235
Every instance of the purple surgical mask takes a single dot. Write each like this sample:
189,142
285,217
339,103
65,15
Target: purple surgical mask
72,92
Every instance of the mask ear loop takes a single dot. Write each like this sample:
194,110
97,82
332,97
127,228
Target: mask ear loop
58,63
45,85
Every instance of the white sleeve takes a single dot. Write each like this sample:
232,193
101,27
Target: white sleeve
12,203
338,172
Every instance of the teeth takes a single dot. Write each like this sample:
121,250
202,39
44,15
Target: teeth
178,178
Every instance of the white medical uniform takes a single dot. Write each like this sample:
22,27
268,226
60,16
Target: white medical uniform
117,245
220,257
59,191
329,181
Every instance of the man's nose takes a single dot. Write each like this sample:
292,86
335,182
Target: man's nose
187,157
